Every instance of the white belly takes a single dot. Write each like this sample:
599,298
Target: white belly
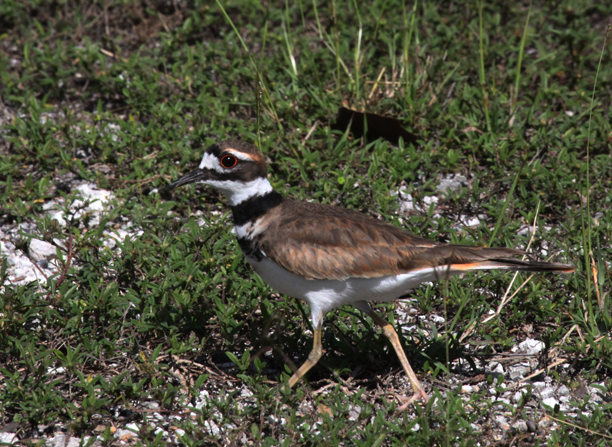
325,295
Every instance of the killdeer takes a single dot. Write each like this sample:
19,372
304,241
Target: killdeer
330,256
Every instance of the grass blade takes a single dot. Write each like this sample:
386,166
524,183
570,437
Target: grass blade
260,88
508,199
520,63
485,96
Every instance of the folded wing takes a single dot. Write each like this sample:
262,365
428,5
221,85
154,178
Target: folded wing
326,242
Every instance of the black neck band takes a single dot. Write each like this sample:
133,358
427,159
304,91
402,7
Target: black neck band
254,207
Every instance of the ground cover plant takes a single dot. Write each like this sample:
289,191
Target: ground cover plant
130,317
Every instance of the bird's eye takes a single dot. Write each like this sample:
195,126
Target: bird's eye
229,161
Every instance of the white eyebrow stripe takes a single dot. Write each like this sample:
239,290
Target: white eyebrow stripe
240,155
211,162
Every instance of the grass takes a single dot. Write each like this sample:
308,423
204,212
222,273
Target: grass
170,329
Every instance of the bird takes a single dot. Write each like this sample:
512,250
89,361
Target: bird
329,256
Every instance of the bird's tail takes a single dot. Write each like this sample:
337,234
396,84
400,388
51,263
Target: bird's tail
516,265
461,258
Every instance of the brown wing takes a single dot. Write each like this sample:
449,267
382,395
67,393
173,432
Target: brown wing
327,242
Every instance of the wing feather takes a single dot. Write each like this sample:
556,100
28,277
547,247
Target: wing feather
327,242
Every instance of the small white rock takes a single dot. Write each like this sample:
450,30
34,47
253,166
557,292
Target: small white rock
547,392
6,248
563,391
429,200
97,197
519,395
502,423
595,395
133,426
245,392
55,371
550,401
518,371
497,368
437,319
452,183
469,389
405,199
531,346
120,433
472,221
61,440
41,250
202,399
354,412
159,430
520,426
59,217
8,438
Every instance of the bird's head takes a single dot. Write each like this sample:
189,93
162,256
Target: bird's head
234,167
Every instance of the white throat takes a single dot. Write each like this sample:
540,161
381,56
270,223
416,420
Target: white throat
237,192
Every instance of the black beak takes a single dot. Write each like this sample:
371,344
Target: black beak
194,176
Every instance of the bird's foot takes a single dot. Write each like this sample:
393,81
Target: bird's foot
407,401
